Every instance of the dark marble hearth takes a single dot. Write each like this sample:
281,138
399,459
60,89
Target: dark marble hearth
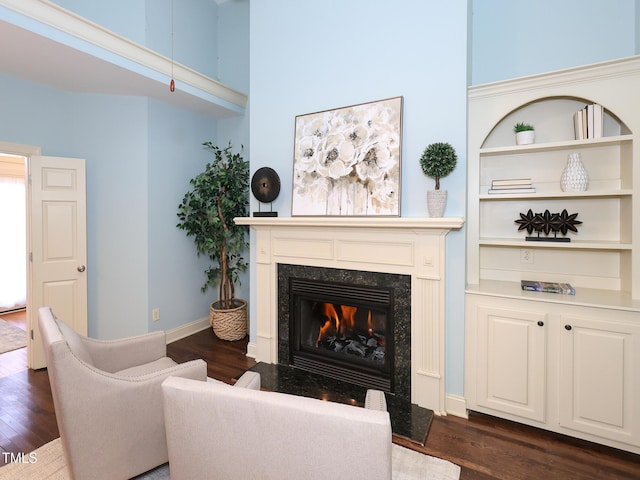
407,420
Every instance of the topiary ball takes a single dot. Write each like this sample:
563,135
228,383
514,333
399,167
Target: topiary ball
438,160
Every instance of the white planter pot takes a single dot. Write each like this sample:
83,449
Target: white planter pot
436,202
526,138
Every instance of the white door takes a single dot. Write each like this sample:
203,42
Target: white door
57,241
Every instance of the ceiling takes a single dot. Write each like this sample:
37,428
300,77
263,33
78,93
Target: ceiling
27,55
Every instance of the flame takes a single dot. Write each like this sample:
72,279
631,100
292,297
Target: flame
332,322
348,318
342,323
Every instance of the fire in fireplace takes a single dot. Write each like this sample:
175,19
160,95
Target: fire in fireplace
350,325
343,331
348,330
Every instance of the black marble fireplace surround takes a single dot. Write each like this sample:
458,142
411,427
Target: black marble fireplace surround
397,378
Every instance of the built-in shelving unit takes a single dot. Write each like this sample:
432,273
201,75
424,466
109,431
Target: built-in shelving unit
552,360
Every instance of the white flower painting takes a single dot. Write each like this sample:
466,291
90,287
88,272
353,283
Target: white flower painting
347,161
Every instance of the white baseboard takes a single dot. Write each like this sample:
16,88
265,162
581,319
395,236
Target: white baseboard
456,405
252,350
188,329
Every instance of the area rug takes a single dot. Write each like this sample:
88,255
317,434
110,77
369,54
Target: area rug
11,337
48,462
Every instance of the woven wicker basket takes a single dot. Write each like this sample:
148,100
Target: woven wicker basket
229,324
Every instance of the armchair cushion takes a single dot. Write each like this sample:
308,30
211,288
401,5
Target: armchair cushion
217,431
146,368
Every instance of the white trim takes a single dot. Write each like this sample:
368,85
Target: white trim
252,350
457,406
184,331
19,149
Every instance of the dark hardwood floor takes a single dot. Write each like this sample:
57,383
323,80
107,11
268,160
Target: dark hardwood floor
485,447
15,360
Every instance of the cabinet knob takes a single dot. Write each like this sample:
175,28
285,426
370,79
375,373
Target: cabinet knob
568,327
540,323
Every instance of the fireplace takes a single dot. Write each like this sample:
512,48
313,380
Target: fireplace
413,248
349,325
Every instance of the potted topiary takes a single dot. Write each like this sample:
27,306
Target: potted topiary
525,133
438,160
217,195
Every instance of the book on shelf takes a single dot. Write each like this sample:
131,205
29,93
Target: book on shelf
511,190
588,122
598,120
547,287
506,187
577,125
510,182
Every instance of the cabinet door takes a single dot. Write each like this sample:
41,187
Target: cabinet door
511,361
600,377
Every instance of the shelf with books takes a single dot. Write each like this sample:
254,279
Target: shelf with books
608,209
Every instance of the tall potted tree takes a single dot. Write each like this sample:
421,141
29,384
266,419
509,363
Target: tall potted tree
438,160
217,195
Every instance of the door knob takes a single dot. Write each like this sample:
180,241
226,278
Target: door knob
82,268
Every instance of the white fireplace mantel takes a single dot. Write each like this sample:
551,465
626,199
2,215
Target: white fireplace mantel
402,245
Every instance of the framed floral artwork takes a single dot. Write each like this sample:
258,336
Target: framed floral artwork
347,161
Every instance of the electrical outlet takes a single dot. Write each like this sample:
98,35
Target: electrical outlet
526,255
155,314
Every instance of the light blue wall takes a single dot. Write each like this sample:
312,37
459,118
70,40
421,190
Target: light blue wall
148,22
175,272
322,54
139,157
124,17
512,39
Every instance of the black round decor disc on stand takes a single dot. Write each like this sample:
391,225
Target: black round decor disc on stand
265,186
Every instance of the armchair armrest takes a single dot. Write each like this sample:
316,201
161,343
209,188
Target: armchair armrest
249,380
375,400
115,355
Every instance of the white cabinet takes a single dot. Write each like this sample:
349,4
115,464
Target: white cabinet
521,363
599,379
511,361
570,369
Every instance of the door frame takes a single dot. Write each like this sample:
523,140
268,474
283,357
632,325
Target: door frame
25,151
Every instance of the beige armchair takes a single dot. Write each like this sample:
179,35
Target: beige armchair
216,431
108,400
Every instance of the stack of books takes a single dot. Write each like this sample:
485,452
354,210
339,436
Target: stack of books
512,185
548,287
588,122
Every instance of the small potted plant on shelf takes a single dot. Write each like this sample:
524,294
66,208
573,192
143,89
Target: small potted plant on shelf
218,195
525,133
438,160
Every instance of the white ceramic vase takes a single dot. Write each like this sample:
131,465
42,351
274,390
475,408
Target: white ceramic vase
525,138
574,176
436,202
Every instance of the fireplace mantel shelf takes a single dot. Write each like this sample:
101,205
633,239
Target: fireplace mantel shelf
445,223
